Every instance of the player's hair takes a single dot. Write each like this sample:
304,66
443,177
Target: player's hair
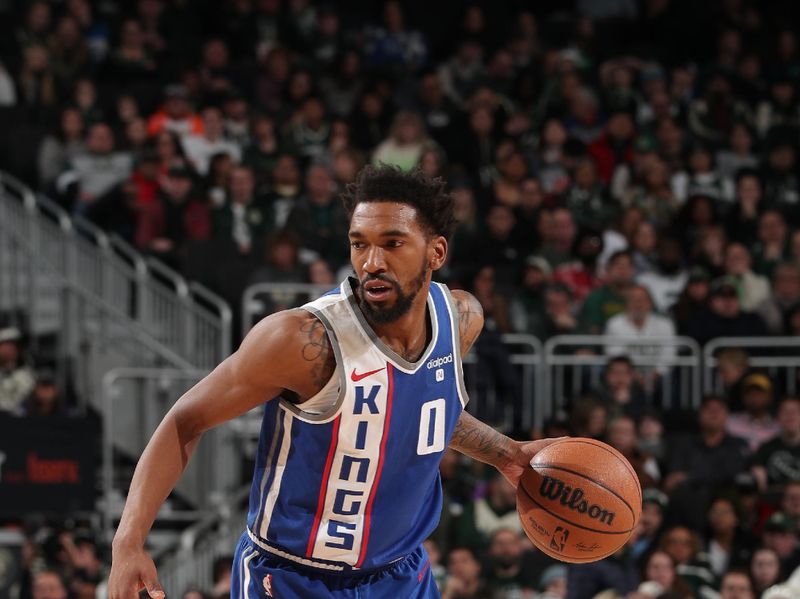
387,183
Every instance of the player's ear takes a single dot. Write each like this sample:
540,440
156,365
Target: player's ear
437,252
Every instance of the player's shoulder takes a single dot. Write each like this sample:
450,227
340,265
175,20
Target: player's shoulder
470,317
295,344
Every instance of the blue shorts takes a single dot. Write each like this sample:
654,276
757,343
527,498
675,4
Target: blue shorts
259,574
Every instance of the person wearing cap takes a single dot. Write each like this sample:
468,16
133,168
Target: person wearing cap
724,316
755,422
777,461
45,399
780,535
178,217
176,114
16,379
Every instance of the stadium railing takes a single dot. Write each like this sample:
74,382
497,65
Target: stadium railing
135,401
779,357
573,365
99,296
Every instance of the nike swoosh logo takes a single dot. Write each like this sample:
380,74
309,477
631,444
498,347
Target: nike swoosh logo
357,377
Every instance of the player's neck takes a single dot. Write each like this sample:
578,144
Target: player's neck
409,335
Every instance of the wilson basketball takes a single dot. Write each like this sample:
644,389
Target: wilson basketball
579,501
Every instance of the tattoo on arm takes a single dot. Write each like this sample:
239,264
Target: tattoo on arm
470,321
480,441
317,350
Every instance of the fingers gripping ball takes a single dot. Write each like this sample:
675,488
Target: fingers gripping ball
579,501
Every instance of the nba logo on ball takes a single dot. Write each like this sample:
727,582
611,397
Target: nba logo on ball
579,501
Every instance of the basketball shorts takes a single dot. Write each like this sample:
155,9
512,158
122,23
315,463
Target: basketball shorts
259,574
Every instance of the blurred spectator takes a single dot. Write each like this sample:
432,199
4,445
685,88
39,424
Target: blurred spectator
659,573
285,188
774,309
755,423
403,147
553,583
728,545
668,280
179,216
464,579
200,148
262,152
773,238
780,535
527,308
176,115
790,501
732,368
609,300
559,314
753,288
37,85
57,151
222,577
505,573
318,219
581,275
588,418
639,322
245,218
557,231
393,45
617,573
742,220
16,379
724,316
310,131
621,435
621,390
97,170
736,585
691,564
777,461
765,569
46,399
643,244
699,463
693,299
654,504
48,584
485,516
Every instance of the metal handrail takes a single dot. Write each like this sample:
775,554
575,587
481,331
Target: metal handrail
225,315
710,349
249,295
181,287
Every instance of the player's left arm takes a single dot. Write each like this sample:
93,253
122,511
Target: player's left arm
471,436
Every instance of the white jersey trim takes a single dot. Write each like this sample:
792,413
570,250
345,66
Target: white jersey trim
292,557
452,309
280,469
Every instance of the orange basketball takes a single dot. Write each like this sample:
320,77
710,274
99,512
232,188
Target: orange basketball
579,501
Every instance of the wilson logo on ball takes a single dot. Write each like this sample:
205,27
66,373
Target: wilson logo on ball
555,490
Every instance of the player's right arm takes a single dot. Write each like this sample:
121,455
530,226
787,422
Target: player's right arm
287,351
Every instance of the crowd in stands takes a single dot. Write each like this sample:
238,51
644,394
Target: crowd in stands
619,168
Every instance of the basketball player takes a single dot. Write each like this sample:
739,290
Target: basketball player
368,392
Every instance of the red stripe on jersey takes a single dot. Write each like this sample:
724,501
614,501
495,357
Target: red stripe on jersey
323,489
368,513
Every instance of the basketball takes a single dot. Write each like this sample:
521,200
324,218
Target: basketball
579,501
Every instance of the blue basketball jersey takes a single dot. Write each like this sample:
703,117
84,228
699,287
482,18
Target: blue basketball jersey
350,478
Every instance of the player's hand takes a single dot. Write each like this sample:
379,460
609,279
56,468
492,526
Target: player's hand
131,571
525,450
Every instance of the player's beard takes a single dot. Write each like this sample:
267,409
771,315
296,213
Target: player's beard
403,300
